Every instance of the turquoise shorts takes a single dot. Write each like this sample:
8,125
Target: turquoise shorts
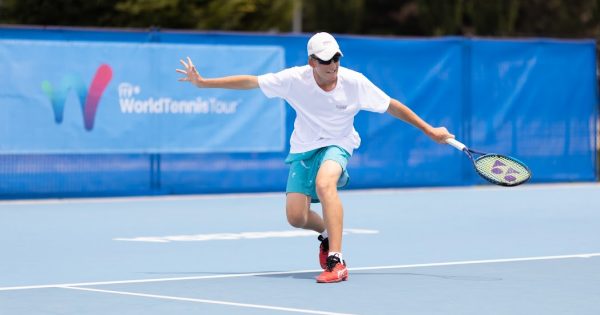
305,166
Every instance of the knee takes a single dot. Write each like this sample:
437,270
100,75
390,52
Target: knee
325,188
297,207
297,219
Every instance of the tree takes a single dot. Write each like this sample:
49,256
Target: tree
515,18
240,15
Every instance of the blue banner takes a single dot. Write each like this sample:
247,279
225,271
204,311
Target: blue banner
107,97
536,100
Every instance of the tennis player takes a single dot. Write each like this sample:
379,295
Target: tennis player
326,97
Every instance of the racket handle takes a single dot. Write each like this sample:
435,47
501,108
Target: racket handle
455,143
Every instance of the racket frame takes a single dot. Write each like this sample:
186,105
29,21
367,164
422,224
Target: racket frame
469,152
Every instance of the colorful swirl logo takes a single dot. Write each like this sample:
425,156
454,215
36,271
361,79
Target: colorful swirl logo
88,98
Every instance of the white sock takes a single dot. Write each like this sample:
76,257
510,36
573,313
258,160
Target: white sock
324,234
339,255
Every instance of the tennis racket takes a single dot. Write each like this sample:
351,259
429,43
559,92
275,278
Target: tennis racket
495,168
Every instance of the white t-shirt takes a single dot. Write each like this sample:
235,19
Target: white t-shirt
324,118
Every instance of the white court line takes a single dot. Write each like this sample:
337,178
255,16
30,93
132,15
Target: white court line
257,274
235,236
166,297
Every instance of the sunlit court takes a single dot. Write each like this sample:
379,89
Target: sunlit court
308,157
526,250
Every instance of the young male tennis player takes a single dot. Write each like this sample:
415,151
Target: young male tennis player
326,97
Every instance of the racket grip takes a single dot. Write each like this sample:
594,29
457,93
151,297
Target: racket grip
455,143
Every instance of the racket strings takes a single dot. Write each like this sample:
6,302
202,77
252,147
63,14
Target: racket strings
501,169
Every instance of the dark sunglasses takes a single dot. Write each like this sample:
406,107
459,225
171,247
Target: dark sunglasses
335,58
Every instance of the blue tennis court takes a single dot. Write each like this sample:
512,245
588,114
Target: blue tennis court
474,250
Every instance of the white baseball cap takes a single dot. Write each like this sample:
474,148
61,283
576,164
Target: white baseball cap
323,46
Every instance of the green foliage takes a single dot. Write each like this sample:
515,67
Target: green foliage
550,18
249,15
156,13
241,15
336,16
63,12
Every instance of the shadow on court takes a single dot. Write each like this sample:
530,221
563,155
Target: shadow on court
312,275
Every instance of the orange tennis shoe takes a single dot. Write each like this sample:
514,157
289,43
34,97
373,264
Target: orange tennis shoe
336,271
323,251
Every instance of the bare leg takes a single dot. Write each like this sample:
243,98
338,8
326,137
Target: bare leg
333,213
299,214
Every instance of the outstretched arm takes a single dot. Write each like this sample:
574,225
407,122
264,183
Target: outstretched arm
402,112
238,82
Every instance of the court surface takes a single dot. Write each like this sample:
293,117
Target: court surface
533,249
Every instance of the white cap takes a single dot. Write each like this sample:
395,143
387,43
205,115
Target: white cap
323,45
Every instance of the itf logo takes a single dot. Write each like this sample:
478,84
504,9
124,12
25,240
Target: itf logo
88,98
